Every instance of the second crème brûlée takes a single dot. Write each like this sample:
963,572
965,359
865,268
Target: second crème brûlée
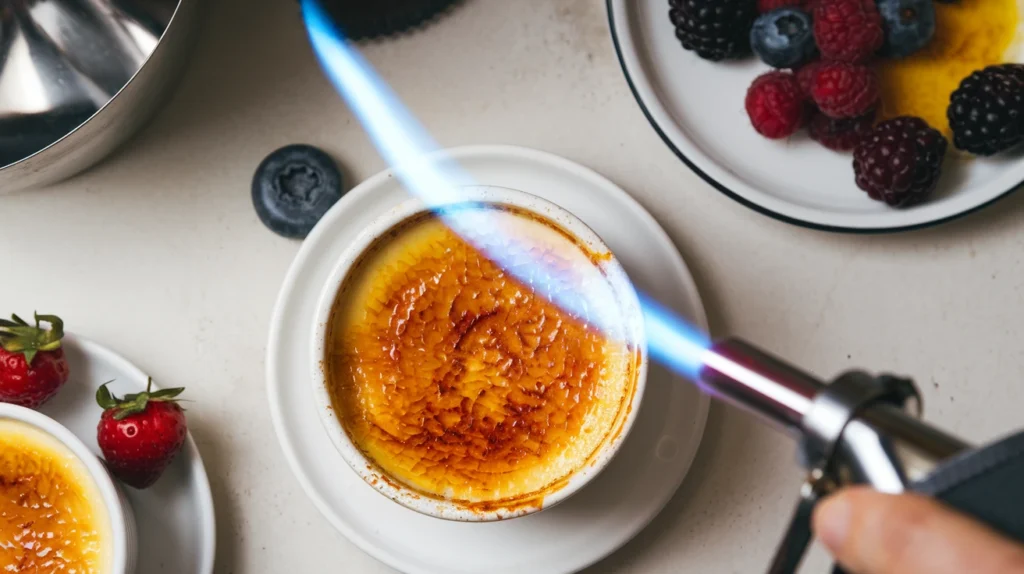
460,382
52,515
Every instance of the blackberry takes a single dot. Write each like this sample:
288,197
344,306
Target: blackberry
714,29
899,162
361,20
986,113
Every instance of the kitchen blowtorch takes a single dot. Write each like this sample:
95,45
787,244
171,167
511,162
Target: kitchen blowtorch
858,429
865,429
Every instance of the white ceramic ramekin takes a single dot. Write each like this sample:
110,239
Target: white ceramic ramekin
625,296
122,522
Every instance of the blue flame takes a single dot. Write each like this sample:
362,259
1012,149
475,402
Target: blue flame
672,341
411,152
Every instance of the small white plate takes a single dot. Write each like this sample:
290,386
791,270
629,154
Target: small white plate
566,538
696,107
175,519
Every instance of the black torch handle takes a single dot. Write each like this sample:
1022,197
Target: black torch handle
987,483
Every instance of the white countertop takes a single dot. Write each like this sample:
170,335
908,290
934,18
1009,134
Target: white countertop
158,254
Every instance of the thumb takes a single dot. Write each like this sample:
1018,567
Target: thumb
873,533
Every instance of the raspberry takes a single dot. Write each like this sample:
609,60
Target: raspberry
776,106
900,161
714,29
842,134
986,113
769,5
807,75
845,90
848,30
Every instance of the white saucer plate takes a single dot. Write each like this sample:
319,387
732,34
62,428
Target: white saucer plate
174,517
566,538
697,108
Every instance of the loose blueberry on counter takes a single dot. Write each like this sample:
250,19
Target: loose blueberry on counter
909,26
293,188
783,38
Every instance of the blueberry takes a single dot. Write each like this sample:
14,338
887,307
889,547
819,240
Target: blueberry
783,38
293,188
909,25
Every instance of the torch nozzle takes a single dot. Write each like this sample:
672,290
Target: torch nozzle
759,383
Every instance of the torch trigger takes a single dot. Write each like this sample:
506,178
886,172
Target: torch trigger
798,535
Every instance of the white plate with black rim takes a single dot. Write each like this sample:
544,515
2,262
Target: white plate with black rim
175,518
696,107
605,514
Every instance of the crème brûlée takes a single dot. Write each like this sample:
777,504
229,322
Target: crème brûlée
52,515
459,381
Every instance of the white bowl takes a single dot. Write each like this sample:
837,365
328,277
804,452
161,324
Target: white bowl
625,296
122,521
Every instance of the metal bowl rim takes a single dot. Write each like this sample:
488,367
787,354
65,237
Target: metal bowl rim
160,42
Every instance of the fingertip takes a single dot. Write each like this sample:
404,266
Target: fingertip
831,521
868,531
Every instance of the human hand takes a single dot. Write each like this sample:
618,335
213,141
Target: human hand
873,533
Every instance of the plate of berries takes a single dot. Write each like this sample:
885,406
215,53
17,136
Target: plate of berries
843,115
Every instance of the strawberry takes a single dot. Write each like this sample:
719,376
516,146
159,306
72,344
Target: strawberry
140,434
32,363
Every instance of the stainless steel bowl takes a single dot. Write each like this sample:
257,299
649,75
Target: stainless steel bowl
78,77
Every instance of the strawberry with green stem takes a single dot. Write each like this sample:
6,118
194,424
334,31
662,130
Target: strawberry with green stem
141,433
32,362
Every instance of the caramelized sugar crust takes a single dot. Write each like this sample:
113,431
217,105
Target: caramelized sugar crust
52,517
459,381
